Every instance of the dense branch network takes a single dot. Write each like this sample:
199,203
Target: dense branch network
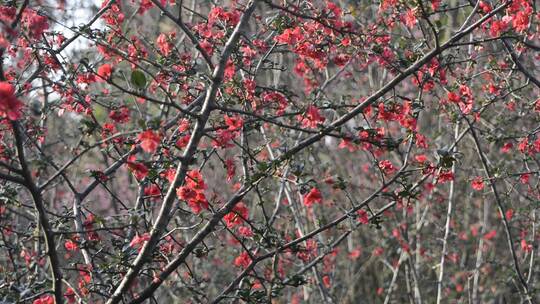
258,150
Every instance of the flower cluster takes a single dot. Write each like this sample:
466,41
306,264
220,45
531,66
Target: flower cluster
193,191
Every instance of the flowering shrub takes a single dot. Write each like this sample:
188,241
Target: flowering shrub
269,151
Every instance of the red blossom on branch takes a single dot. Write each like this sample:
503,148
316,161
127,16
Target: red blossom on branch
46,299
239,213
150,141
243,260
312,197
139,240
159,144
312,118
10,106
105,71
477,183
193,191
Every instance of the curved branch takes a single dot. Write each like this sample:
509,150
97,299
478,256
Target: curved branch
502,212
164,213
42,215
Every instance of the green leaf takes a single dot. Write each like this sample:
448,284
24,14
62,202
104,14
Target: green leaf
138,79
262,166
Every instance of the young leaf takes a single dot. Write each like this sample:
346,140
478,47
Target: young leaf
138,79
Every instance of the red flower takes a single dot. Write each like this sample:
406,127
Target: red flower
70,295
290,36
497,27
421,158
490,235
523,145
485,7
537,105
248,53
105,71
149,141
109,129
314,196
138,169
435,4
163,44
183,126
183,141
524,178
186,193
387,167
509,214
387,4
198,203
113,16
347,144
280,100
85,272
378,251
311,118
47,299
309,251
477,183
363,217
231,169
195,180
207,47
70,245
245,231
234,122
237,215
145,6
152,191
219,13
326,281
230,70
243,260
120,115
446,176
223,138
36,24
169,174
193,191
410,18
507,147
526,247
10,106
453,97
355,254
521,20
341,59
139,240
